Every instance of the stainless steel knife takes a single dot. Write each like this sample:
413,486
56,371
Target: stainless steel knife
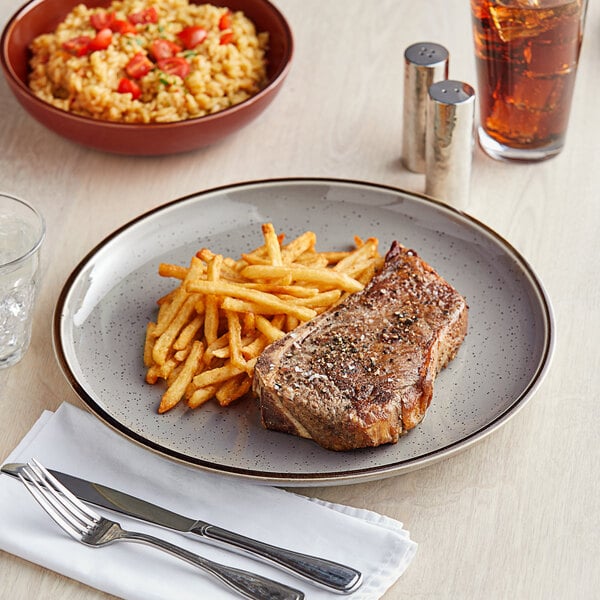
331,575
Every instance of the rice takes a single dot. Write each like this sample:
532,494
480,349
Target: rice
226,68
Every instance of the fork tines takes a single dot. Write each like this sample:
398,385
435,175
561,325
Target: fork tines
69,512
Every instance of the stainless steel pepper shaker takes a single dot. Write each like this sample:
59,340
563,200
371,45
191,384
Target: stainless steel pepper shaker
449,146
424,64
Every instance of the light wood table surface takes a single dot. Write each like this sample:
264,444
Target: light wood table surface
514,516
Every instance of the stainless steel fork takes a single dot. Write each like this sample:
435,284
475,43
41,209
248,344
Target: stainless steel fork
91,529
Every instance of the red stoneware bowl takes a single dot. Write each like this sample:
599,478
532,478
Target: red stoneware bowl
43,16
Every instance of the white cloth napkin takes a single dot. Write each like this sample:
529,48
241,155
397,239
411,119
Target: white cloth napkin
74,441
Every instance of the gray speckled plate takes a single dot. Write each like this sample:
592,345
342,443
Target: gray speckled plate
102,312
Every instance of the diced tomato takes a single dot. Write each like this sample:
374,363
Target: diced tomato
163,49
225,21
147,15
122,27
126,86
192,36
102,19
174,66
226,38
101,41
138,66
79,46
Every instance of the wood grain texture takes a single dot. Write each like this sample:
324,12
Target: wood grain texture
516,515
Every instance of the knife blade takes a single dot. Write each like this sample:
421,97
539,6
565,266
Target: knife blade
329,574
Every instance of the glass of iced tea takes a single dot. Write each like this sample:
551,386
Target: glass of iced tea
526,53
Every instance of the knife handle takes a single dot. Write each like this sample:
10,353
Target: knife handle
326,573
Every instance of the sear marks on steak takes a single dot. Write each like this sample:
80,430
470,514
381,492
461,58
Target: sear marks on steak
362,373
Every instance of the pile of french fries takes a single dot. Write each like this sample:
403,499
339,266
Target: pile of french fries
213,326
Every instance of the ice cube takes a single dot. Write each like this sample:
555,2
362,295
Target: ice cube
537,94
513,23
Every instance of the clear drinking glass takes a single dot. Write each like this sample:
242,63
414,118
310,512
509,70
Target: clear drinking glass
22,232
526,53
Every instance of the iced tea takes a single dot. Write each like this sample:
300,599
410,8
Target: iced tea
526,53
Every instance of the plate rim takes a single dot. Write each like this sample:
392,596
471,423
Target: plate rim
312,479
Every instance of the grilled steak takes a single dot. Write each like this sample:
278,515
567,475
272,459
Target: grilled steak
362,373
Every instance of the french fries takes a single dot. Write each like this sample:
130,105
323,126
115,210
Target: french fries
211,328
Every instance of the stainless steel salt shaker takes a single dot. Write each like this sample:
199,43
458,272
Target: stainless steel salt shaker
424,64
449,146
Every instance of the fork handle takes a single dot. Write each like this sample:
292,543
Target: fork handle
326,573
245,583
